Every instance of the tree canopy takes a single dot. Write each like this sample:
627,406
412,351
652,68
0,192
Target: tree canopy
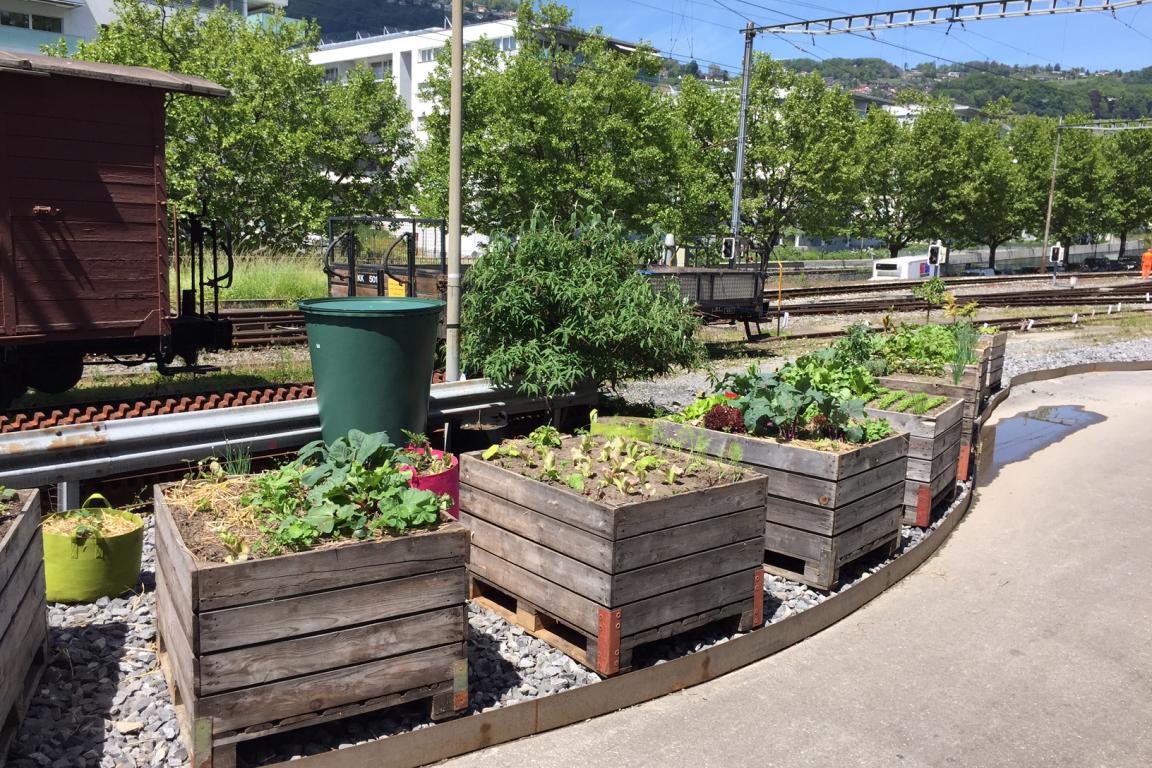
287,149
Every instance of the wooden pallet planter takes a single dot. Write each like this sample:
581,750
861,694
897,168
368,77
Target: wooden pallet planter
256,648
824,509
23,617
933,457
595,580
970,389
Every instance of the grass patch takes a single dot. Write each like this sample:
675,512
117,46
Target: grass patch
268,276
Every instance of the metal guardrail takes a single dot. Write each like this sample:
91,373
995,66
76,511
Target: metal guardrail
69,454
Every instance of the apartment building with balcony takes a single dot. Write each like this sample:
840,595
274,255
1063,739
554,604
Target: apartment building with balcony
25,25
408,58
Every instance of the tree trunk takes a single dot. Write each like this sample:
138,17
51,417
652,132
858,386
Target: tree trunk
1123,242
894,249
992,255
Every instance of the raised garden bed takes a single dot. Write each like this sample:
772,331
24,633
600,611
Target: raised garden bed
259,647
597,577
969,389
933,447
825,508
23,610
994,348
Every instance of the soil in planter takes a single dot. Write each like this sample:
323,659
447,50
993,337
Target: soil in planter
916,403
204,509
105,525
614,470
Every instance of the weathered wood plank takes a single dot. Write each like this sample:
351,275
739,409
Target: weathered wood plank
681,603
267,663
565,506
255,581
856,541
794,542
565,571
273,701
323,611
658,514
831,494
29,569
569,607
662,578
659,546
826,522
177,583
20,640
743,449
19,535
177,644
586,547
924,470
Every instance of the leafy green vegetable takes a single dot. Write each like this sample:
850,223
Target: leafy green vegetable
354,488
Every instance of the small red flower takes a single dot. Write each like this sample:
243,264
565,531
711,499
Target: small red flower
731,395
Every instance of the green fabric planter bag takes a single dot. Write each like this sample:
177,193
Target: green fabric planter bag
92,563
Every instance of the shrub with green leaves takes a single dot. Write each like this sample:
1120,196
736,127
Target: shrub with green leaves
918,349
560,304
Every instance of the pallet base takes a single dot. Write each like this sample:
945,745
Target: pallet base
10,721
824,574
606,653
924,512
208,750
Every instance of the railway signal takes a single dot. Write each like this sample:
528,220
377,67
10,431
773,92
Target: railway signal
729,250
1056,254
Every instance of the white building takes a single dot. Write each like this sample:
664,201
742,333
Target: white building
25,25
407,57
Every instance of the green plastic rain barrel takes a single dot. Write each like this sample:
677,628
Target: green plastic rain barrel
372,359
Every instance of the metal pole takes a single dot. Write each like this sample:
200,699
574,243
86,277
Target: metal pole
456,138
1052,194
741,138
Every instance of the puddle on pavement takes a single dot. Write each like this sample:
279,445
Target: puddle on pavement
1016,438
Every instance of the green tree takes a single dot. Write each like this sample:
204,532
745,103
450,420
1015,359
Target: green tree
1078,206
800,134
287,150
704,125
906,172
987,204
1128,155
553,128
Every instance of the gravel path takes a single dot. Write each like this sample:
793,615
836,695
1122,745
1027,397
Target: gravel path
103,701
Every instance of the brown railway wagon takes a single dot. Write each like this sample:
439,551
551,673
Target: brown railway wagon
84,240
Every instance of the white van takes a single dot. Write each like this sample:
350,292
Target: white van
902,268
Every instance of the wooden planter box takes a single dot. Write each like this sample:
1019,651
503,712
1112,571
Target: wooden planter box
824,509
970,389
933,457
23,616
994,351
260,647
595,580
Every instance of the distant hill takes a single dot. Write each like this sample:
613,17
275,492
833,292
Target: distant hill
1042,90
344,19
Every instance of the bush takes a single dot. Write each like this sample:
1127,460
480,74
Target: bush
559,305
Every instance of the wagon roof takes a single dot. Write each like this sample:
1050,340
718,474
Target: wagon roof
117,73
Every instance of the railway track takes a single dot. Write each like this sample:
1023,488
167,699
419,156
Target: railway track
269,326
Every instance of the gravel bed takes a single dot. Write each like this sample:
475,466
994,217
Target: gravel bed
1017,361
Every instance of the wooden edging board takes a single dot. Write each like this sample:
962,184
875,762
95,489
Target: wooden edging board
499,726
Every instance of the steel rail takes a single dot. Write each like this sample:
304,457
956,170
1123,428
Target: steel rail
85,451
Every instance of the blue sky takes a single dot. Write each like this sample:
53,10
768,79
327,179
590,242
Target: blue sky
705,30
